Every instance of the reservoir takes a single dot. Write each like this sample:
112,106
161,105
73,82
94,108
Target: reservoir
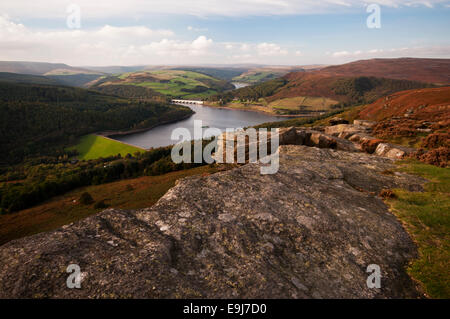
210,117
239,85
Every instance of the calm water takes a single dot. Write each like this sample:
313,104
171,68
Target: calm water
210,116
239,85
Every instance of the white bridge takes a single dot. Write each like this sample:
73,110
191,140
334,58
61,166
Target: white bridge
187,102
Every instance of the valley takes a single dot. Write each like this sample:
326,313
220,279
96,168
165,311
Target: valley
67,158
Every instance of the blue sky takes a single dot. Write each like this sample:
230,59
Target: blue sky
275,32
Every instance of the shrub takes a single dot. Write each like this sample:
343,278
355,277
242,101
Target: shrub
100,204
86,199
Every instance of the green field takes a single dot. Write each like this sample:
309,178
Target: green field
261,74
258,77
304,103
173,83
94,146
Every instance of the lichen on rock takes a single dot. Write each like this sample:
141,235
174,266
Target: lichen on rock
308,231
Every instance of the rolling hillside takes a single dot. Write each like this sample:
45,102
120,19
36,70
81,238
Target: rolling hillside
359,82
172,83
224,73
56,73
40,68
38,119
258,75
27,78
431,104
345,89
312,93
345,82
436,71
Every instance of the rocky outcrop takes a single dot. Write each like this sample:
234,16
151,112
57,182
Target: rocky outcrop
365,123
228,142
337,120
309,231
345,130
393,151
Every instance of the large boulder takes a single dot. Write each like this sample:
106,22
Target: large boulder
227,142
347,129
393,151
365,123
366,142
308,231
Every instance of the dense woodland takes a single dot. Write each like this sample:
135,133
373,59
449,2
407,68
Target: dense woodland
38,120
131,91
250,93
363,89
37,180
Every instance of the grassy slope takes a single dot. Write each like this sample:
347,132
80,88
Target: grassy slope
177,80
126,194
303,102
94,146
426,217
258,75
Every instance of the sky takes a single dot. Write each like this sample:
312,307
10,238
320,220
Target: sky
188,32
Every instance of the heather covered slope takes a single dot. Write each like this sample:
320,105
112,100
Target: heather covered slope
419,118
359,82
430,104
348,90
340,81
435,71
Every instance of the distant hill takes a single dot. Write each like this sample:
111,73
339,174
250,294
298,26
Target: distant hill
57,73
224,73
361,81
172,83
435,71
27,78
78,80
346,89
115,69
40,68
297,92
262,74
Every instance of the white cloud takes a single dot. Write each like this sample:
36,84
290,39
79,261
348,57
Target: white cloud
105,45
270,49
138,9
180,49
111,45
245,47
431,51
341,53
194,29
